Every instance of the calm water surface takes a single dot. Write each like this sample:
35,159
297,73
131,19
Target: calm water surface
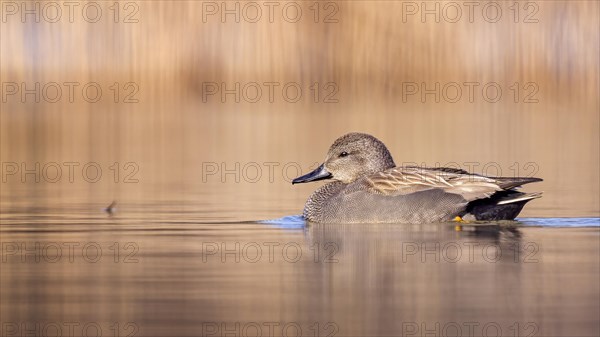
156,270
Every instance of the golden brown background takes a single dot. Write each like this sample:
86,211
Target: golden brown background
368,54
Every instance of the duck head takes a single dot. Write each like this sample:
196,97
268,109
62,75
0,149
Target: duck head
351,157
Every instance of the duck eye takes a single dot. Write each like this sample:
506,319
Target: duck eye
343,154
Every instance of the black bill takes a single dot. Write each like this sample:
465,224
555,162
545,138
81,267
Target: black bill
319,173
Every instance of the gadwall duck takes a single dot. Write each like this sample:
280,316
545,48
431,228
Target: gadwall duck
367,187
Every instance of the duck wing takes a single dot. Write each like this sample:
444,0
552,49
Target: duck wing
408,180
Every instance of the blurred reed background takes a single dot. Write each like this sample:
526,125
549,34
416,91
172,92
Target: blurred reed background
369,55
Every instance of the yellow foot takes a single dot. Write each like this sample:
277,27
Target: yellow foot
460,220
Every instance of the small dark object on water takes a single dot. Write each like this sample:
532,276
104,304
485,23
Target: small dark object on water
111,208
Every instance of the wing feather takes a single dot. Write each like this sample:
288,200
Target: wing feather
407,180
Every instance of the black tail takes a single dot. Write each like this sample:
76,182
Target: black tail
504,205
